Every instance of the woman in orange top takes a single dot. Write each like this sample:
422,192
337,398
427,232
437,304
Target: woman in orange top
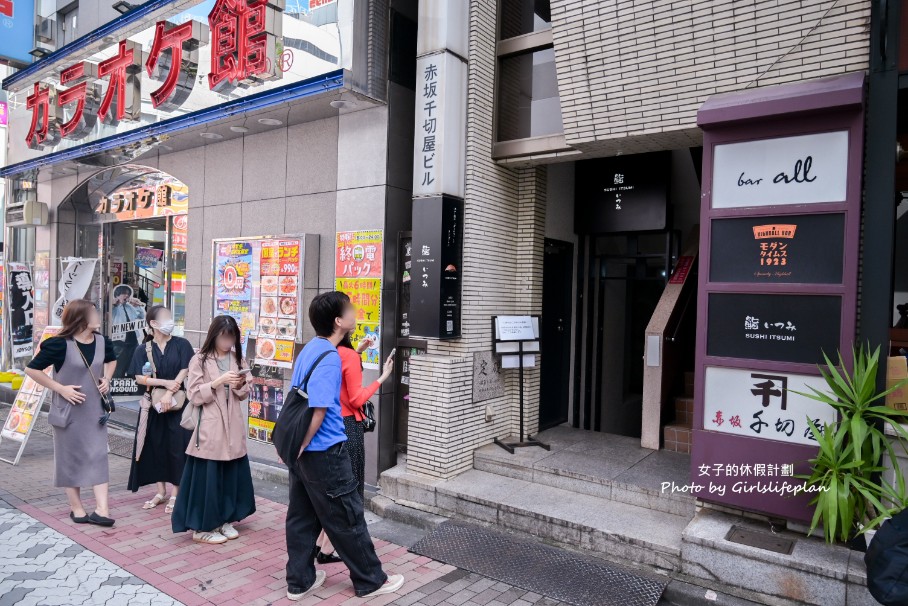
352,398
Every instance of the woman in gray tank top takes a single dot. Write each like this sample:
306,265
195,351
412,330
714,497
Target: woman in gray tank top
79,355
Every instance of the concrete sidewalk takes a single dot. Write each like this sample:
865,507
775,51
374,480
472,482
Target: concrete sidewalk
142,555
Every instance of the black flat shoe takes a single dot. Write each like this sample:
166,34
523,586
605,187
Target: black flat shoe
99,520
327,559
83,520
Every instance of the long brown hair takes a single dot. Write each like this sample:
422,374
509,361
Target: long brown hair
222,325
75,317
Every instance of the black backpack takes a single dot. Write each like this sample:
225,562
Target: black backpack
887,562
293,422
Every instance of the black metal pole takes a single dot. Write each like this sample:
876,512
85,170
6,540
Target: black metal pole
520,351
879,185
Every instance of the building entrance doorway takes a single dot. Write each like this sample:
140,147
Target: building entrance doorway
555,341
133,220
624,277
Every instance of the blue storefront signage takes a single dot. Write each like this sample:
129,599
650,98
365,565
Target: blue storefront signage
17,30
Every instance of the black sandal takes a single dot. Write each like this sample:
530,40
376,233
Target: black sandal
82,520
322,558
99,520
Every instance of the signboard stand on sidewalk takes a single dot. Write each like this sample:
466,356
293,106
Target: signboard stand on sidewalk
516,340
26,407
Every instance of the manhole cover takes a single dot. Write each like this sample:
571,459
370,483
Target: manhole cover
760,540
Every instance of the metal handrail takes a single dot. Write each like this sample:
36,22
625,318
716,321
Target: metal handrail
680,321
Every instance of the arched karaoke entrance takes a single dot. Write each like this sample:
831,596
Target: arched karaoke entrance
133,220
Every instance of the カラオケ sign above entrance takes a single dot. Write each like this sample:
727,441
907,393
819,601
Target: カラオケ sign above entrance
214,52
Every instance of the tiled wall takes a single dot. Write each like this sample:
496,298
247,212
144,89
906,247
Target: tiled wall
632,74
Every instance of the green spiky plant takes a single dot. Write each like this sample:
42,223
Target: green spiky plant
852,496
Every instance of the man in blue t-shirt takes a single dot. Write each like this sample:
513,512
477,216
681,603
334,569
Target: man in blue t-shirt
323,489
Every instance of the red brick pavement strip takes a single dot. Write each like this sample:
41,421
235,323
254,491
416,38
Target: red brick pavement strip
248,571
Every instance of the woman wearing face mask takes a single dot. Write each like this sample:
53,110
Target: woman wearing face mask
83,363
217,482
160,364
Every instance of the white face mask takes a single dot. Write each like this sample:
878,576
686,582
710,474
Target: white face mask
165,327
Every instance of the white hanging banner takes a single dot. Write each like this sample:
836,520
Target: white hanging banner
74,283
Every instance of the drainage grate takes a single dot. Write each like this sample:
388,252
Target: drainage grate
555,573
760,540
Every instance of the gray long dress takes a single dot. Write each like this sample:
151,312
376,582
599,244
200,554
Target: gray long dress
80,449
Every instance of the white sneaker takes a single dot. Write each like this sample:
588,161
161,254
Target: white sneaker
394,582
229,531
320,576
212,538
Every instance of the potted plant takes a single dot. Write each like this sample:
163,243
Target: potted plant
853,497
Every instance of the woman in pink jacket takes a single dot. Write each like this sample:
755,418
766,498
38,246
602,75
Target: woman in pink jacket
216,488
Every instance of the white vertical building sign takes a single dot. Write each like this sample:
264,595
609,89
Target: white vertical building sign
438,155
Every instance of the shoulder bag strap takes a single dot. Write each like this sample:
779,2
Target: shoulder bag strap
150,356
305,385
88,366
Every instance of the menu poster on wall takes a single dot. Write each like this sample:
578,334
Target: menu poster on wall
805,249
784,328
265,401
358,270
279,267
28,401
21,309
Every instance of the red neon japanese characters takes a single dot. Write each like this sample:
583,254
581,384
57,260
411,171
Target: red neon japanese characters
243,46
247,33
6,8
42,104
177,39
77,76
123,85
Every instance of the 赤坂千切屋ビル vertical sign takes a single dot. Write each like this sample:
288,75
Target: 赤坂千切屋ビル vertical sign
438,158
21,308
777,286
435,287
358,273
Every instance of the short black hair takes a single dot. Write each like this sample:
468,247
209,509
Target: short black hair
324,309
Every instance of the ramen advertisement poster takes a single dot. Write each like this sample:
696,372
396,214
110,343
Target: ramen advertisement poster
279,305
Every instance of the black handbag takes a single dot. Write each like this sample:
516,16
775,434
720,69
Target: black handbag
107,401
293,423
368,417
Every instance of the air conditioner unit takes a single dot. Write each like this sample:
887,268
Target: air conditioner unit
45,29
29,214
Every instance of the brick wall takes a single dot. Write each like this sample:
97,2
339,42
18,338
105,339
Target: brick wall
632,74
